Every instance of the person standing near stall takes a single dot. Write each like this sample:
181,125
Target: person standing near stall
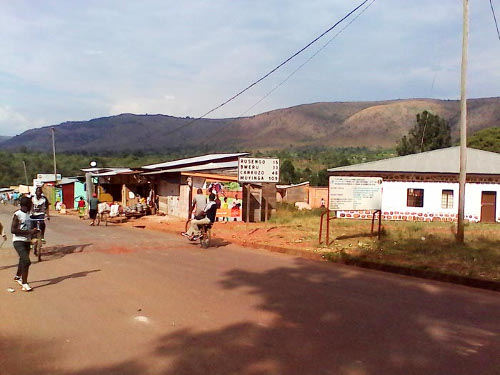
93,207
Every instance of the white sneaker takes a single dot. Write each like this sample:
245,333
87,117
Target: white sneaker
18,280
27,288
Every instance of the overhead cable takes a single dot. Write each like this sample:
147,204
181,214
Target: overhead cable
309,59
495,18
273,70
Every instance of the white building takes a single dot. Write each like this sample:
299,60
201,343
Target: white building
424,187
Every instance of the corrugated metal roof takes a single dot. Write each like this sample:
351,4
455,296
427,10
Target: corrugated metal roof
198,168
196,159
445,160
292,185
67,180
98,172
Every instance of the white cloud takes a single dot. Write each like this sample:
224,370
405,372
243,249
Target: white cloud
80,60
12,122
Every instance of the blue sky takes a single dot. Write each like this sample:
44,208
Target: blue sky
77,60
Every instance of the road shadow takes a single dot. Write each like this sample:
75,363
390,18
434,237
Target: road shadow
218,242
59,251
312,319
7,267
57,280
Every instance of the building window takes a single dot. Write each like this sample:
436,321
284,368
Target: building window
415,198
447,199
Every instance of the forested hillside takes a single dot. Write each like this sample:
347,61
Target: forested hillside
299,165
339,124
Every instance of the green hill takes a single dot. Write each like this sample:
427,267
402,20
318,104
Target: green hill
338,124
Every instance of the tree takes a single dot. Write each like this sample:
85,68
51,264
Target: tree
287,172
486,139
429,133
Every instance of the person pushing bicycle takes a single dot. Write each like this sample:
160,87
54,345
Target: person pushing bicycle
40,209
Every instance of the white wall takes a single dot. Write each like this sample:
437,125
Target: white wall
394,200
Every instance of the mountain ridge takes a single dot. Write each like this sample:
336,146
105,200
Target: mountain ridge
369,124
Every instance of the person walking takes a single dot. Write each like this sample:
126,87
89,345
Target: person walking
81,208
93,207
21,236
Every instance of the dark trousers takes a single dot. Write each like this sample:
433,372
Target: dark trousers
23,249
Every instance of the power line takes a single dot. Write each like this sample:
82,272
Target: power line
300,67
309,59
495,18
272,71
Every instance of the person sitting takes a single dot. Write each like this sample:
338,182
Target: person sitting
199,202
206,217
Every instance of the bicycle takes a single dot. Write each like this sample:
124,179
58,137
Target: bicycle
205,236
36,243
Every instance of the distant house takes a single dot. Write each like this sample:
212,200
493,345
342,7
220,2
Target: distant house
293,193
424,187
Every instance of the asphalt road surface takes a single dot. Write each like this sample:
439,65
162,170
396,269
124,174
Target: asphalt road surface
116,300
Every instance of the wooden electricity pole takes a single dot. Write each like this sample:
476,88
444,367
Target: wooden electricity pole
25,173
463,125
54,152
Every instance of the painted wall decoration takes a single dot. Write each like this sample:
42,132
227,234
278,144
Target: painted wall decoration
228,197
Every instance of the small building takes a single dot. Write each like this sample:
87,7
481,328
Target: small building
314,196
293,193
177,181
424,187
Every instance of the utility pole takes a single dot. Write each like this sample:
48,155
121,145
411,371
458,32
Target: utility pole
463,124
25,173
54,152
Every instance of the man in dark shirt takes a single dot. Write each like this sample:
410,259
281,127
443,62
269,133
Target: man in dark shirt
209,212
93,205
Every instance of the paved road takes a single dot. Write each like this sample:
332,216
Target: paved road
131,301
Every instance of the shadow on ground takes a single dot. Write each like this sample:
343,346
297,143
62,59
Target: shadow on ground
57,280
59,251
324,321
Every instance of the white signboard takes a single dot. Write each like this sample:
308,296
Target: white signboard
258,170
45,177
355,193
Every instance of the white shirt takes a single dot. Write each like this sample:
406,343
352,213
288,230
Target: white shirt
24,222
39,205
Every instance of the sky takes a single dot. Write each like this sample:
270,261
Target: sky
78,60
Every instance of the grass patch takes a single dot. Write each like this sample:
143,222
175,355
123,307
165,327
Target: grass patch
420,245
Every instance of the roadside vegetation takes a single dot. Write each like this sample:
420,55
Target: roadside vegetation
418,245
298,165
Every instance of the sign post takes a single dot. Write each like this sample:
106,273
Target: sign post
258,170
354,193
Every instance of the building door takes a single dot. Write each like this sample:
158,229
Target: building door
488,206
68,191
